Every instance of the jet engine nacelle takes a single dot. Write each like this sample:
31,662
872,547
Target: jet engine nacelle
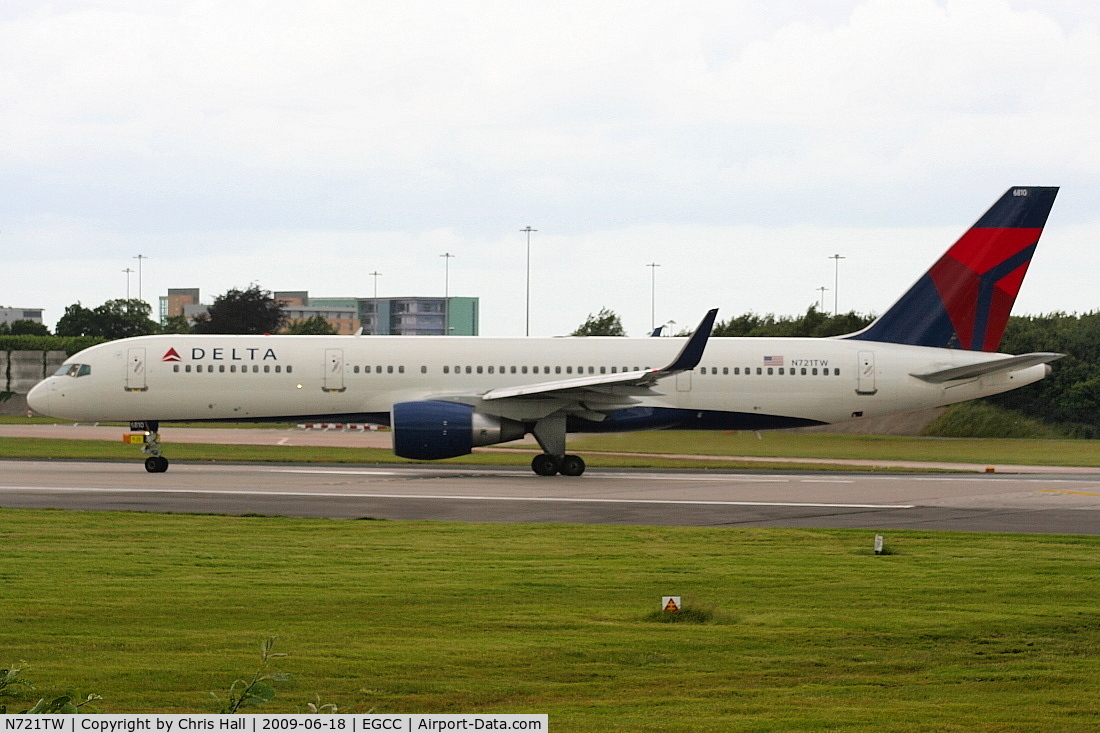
432,429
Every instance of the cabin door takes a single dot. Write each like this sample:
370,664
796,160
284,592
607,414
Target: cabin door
135,370
865,383
334,370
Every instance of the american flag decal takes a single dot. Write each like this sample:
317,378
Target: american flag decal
773,361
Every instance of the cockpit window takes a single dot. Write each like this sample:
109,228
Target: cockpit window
73,370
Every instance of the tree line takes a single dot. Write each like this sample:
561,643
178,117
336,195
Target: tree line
249,311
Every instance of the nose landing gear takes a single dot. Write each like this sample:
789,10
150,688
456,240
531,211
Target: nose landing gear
149,439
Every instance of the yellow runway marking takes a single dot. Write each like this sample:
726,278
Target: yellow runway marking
1075,493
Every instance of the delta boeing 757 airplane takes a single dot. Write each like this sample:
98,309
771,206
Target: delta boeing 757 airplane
443,396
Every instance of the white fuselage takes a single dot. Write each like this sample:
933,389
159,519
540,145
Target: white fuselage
740,383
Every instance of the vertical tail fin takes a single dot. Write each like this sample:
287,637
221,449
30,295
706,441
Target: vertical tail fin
964,300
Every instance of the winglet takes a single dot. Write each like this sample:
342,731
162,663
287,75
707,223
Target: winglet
689,356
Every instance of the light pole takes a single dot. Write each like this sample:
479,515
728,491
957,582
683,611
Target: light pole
836,279
528,229
447,293
652,295
375,275
127,271
139,258
821,300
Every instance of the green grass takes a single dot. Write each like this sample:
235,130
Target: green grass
65,449
978,419
828,446
810,630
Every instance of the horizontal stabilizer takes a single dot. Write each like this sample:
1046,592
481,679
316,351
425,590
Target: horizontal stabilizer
971,371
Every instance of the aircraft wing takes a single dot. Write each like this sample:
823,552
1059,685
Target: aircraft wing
687,359
971,371
592,397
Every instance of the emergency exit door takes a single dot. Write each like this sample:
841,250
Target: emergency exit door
865,383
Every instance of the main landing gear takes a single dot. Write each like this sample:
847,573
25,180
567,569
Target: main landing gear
149,439
546,464
550,433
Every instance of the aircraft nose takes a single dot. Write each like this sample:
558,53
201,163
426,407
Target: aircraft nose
38,399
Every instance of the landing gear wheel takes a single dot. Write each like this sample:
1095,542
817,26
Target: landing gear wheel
156,464
571,466
545,464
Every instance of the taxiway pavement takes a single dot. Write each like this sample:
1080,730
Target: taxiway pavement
1044,503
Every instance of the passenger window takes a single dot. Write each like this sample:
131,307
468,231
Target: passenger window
221,367
288,369
267,368
446,369
255,369
175,367
524,370
557,370
278,369
355,369
400,368
480,370
423,369
187,368
389,369
815,371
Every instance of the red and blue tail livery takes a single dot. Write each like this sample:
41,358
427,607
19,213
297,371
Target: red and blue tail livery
964,300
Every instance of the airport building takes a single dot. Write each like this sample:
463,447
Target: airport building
10,315
408,316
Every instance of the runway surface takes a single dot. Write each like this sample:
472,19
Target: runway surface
1045,503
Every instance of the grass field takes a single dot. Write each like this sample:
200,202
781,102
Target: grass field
811,630
634,449
827,446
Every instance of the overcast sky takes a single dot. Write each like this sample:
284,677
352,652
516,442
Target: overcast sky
738,145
